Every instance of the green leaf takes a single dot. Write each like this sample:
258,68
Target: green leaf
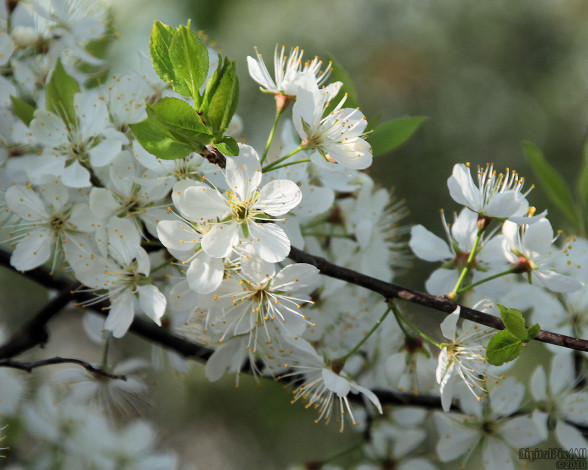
22,109
390,135
583,183
155,138
338,73
59,94
221,96
228,146
179,114
189,59
514,321
533,331
503,347
159,44
552,182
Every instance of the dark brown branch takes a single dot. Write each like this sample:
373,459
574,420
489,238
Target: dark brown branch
188,349
392,291
29,366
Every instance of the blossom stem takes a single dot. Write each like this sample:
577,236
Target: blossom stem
401,318
161,266
466,269
365,338
305,160
486,279
272,133
272,165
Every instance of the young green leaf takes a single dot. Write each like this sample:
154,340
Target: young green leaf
503,347
178,114
392,134
533,331
514,321
22,109
221,97
159,44
155,138
228,146
552,182
189,59
59,94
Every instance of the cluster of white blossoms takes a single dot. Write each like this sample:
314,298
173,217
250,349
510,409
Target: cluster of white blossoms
200,245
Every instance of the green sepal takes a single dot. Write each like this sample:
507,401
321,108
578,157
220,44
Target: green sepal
245,229
227,146
189,58
533,331
390,135
59,94
339,74
514,322
503,347
155,138
23,110
159,44
552,182
221,96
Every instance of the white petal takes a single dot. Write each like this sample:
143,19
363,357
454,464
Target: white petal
449,324
220,240
455,440
152,301
200,203
49,129
442,281
278,197
121,314
269,241
521,431
124,240
76,176
462,188
428,246
569,436
102,203
205,274
504,204
496,456
335,383
296,277
177,235
26,203
539,384
105,152
31,252
243,173
562,373
556,282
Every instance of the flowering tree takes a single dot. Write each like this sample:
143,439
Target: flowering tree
137,198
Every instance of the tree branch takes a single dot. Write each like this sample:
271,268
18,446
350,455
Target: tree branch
392,291
29,366
155,334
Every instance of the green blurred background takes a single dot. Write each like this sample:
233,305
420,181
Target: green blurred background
488,75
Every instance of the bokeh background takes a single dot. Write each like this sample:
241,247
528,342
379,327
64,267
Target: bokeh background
488,75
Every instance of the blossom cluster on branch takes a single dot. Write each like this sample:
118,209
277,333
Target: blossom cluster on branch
142,192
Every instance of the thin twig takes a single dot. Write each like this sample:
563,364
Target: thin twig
30,365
